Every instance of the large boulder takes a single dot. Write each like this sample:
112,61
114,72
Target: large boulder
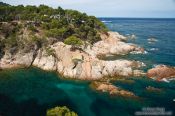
161,71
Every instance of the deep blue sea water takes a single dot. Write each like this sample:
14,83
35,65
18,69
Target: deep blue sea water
30,92
161,29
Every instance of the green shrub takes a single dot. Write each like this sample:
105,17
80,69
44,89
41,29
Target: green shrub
56,33
60,111
73,40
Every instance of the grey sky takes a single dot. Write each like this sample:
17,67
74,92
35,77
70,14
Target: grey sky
111,8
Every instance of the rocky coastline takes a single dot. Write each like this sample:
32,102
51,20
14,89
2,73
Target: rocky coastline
80,64
85,64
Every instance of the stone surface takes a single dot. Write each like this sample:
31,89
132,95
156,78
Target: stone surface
113,44
44,61
111,89
17,60
161,71
79,64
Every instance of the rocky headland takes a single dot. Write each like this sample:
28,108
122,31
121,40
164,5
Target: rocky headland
81,63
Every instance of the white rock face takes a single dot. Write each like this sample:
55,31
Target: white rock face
113,45
78,64
44,61
19,59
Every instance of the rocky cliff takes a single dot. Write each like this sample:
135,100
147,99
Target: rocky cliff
81,63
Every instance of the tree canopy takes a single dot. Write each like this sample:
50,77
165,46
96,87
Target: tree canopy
47,22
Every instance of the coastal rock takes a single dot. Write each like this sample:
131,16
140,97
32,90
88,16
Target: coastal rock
111,89
113,44
161,71
44,61
17,60
80,64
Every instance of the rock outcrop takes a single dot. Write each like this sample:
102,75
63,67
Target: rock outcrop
113,44
111,89
161,71
17,60
80,64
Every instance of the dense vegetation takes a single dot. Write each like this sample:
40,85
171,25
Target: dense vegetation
60,111
28,26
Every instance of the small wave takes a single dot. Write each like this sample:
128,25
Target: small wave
156,65
152,40
145,52
165,80
106,21
139,52
131,36
153,49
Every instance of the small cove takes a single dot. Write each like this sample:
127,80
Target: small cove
30,92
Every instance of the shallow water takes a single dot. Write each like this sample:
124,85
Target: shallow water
30,92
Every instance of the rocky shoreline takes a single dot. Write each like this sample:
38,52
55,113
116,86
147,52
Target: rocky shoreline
80,64
85,64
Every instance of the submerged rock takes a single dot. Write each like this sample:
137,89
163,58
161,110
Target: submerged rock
111,89
153,89
161,71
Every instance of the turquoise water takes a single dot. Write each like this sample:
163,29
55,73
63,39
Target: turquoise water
30,92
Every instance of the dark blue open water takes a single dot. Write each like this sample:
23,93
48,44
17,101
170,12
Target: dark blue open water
30,92
161,29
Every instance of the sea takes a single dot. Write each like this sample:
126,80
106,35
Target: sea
31,91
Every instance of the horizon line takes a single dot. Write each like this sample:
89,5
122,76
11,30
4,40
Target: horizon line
136,17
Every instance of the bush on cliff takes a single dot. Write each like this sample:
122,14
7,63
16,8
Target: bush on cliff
74,41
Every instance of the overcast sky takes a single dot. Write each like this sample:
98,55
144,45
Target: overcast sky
111,8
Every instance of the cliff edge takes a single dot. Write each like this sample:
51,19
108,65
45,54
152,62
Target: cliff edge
80,63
